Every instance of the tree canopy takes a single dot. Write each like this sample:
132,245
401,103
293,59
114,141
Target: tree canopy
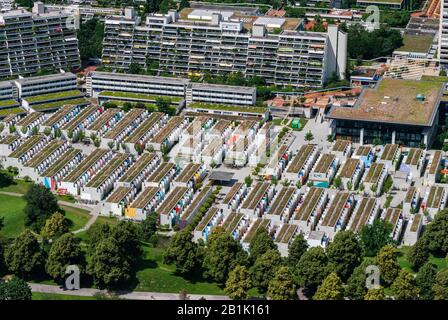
238,283
40,205
282,286
404,286
425,279
55,226
182,252
14,289
386,260
260,244
24,255
264,269
330,289
312,268
375,236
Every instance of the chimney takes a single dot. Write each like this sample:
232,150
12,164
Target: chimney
38,8
129,13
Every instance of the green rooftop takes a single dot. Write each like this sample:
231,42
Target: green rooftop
8,103
137,96
416,43
59,104
7,112
62,95
248,109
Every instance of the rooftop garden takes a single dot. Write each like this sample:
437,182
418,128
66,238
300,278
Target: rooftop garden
8,103
227,108
138,96
7,112
59,104
62,95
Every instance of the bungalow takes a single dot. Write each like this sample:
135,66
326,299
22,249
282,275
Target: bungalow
411,201
434,200
395,217
342,149
162,176
366,154
198,200
351,173
390,156
284,237
173,206
191,175
55,173
283,205
145,165
146,202
413,162
82,120
258,199
8,144
135,143
433,169
169,134
103,181
301,164
413,230
77,178
27,124
115,204
366,211
257,224
279,160
310,209
234,197
324,171
28,148
336,216
212,218
236,224
374,179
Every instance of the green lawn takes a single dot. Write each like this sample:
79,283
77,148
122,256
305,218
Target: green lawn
20,186
159,277
12,210
441,263
78,217
100,220
55,296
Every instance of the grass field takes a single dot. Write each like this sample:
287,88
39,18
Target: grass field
159,277
12,210
441,263
54,296
20,186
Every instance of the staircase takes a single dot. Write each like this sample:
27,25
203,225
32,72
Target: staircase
403,68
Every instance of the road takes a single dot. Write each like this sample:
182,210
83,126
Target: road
134,295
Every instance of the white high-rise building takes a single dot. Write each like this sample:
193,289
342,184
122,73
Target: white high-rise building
443,34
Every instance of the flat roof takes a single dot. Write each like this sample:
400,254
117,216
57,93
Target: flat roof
394,101
50,77
221,175
435,197
309,204
336,209
349,168
362,214
416,43
223,88
137,77
281,201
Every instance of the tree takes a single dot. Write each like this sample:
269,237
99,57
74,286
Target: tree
55,226
309,136
337,182
248,181
282,286
222,255
419,253
425,280
295,251
164,6
5,180
344,253
436,234
440,287
375,236
64,251
264,269
386,260
404,286
149,226
135,68
40,205
97,232
330,289
90,39
164,105
356,284
126,234
127,106
183,4
108,267
24,255
375,294
312,268
260,244
182,252
238,283
14,289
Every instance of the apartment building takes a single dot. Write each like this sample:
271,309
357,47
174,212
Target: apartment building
6,5
443,35
32,41
40,85
221,41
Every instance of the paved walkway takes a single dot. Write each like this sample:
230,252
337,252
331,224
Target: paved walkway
134,295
